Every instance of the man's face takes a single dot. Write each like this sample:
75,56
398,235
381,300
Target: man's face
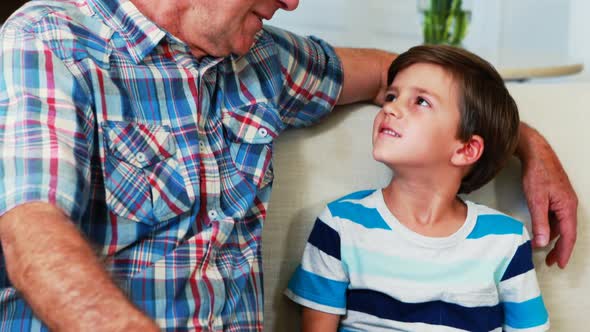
220,28
418,123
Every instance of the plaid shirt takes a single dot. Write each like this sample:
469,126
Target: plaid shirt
162,160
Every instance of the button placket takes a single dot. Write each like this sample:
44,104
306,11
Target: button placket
208,122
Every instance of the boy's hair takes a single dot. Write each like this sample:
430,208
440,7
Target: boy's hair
485,105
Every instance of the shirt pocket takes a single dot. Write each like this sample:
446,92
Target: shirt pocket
143,180
484,295
250,131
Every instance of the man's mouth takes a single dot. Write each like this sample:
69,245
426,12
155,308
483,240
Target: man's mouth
262,16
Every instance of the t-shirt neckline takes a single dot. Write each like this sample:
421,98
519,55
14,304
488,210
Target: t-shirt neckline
423,240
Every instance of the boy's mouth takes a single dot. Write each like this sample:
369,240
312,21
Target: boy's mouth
389,132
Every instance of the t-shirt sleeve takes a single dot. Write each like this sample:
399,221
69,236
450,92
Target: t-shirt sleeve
45,127
311,74
520,295
320,281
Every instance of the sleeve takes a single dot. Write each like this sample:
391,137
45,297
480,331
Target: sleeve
320,281
312,76
520,295
46,127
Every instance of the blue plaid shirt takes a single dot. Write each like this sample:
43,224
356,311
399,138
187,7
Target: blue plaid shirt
163,161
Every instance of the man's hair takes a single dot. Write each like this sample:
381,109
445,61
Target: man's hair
485,105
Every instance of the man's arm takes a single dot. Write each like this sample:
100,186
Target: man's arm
365,74
318,321
59,275
550,196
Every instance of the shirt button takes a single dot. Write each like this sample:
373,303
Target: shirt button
202,145
140,157
212,214
263,132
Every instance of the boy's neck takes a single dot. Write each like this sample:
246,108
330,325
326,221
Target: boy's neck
430,209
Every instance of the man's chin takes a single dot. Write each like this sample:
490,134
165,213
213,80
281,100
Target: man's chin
243,47
237,48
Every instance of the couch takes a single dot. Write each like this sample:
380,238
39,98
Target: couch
316,165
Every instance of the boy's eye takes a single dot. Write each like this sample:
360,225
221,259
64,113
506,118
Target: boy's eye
389,97
422,102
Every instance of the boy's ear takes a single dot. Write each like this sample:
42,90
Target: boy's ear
468,152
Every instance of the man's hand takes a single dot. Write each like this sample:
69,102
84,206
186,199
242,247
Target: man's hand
550,196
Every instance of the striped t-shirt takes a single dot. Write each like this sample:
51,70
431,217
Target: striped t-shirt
362,263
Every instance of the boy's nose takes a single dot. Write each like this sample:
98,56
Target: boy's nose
289,5
392,109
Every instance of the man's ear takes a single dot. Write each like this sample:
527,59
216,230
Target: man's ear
468,152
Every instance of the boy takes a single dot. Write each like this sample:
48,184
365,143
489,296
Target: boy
414,256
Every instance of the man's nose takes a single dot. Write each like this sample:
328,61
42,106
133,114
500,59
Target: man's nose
289,5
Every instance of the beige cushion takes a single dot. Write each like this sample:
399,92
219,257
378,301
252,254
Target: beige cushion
317,165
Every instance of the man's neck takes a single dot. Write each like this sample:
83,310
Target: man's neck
167,15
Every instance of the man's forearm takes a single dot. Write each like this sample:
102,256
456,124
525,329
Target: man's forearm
59,275
365,74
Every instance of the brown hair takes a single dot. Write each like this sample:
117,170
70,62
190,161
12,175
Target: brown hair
486,107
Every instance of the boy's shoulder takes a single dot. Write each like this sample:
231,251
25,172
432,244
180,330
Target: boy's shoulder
358,208
358,197
493,222
353,202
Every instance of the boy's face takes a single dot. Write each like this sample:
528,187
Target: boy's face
417,126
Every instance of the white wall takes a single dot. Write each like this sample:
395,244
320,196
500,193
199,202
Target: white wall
506,32
386,24
579,41
533,31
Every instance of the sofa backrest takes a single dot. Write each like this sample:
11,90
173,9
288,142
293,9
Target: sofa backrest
314,166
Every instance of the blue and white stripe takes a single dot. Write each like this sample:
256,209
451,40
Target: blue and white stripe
362,263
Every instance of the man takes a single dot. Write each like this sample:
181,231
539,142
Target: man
142,130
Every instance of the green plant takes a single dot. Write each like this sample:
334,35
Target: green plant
445,22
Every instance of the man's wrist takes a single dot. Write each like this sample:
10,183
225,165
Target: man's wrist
385,60
526,139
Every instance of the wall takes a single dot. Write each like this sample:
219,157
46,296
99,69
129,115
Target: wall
390,25
507,33
579,46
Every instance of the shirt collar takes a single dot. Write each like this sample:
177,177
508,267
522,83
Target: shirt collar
140,34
